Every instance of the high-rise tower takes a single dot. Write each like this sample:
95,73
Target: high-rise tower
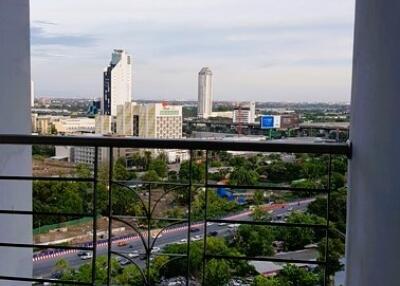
205,99
117,82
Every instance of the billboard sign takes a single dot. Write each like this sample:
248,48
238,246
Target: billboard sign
270,121
267,122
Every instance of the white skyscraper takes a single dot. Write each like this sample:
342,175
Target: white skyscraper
205,99
117,82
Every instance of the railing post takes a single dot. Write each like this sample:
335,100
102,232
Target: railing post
15,103
373,225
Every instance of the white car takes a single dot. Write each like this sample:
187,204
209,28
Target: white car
196,238
222,224
155,249
86,256
183,240
210,223
133,254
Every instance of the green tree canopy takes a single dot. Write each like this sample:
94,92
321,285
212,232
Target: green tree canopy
159,166
243,176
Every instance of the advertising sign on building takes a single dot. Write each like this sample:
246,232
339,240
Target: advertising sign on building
270,121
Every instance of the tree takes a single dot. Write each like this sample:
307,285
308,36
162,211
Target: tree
255,240
258,197
215,245
296,276
43,150
243,176
120,173
198,171
130,276
259,214
336,249
217,273
216,206
264,281
61,265
151,176
49,196
297,237
84,272
337,210
159,166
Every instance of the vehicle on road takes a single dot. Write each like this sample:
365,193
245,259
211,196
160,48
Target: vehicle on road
81,253
222,224
133,254
122,243
155,249
56,275
210,223
124,261
213,233
196,238
234,225
86,256
183,240
194,229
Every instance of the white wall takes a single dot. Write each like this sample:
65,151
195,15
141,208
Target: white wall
15,84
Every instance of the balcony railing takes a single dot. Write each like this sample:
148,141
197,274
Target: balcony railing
148,203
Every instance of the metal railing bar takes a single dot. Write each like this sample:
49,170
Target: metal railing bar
326,276
41,246
41,280
35,178
153,218
269,223
149,247
270,259
188,144
160,183
109,215
205,220
170,254
189,217
35,213
94,226
264,187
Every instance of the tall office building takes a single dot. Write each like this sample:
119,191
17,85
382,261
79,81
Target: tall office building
205,99
117,82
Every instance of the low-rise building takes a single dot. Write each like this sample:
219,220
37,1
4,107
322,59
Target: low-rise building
103,124
70,125
245,113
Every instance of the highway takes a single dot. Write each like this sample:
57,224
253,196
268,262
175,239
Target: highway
44,268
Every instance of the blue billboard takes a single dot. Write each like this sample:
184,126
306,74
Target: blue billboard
267,122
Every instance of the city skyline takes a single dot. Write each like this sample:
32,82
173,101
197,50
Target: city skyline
266,51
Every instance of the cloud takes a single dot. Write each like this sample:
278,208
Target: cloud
259,49
40,37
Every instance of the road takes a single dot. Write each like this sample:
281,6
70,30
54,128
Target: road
44,268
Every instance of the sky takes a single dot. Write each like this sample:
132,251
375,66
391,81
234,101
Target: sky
262,50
